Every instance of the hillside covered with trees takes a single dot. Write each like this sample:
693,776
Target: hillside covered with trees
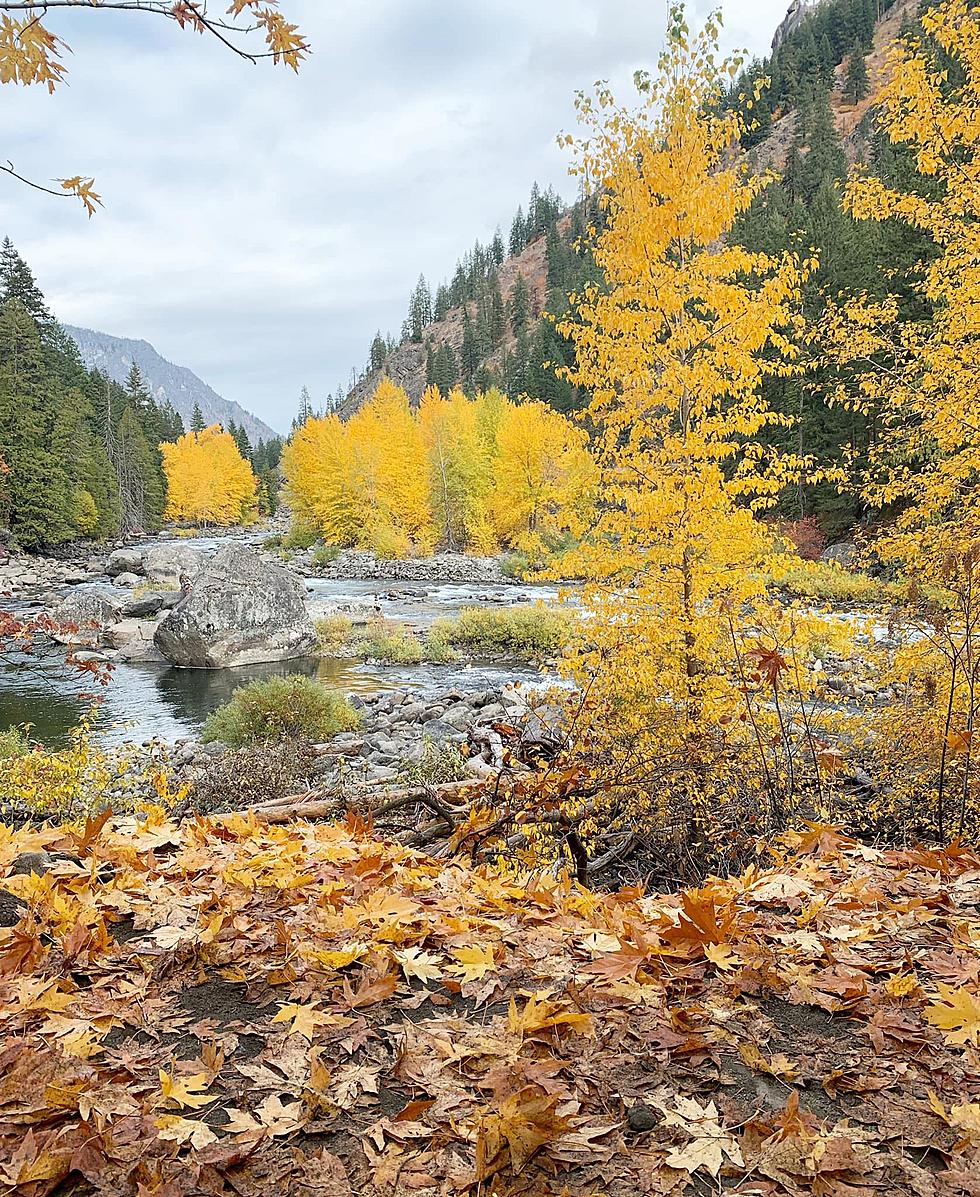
80,454
807,111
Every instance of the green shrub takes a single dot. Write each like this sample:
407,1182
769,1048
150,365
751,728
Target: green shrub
437,645
325,553
300,536
280,708
438,763
14,742
516,565
392,643
272,542
531,631
333,631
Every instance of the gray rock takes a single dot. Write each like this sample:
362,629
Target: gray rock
844,554
240,610
11,909
134,640
128,580
151,603
93,605
31,862
170,562
124,561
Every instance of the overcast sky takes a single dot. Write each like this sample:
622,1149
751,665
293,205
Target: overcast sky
260,226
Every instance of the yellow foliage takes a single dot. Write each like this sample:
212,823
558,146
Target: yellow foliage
674,351
545,476
84,778
919,380
208,480
467,474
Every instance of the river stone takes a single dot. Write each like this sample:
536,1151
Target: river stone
151,603
169,562
124,561
134,640
843,554
90,606
128,580
241,610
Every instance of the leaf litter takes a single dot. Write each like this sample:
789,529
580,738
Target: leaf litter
221,1006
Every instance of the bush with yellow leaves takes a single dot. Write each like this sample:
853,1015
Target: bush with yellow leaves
85,778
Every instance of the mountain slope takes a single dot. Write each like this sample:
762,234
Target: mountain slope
406,365
115,355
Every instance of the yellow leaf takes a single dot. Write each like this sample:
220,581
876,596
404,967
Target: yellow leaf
956,1014
472,964
190,1091
184,1130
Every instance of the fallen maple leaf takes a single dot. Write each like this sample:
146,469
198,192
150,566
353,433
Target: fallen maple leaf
521,1126
957,1014
710,1142
305,1019
420,964
472,964
184,1093
184,1130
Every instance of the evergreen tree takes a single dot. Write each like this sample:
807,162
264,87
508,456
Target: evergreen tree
497,248
34,485
442,303
379,351
498,314
471,347
856,83
197,418
17,282
420,309
518,233
519,308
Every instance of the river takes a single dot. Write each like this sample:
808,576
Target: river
147,701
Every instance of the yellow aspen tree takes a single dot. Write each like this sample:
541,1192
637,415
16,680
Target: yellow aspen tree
673,352
321,486
921,379
208,480
545,477
392,471
461,469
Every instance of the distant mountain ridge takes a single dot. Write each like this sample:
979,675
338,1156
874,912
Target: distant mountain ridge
115,355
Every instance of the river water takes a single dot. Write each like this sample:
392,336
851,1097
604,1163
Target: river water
144,701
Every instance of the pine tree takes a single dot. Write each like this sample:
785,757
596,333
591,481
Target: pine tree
17,282
33,482
856,84
497,248
520,305
518,233
379,351
442,303
471,347
420,309
197,418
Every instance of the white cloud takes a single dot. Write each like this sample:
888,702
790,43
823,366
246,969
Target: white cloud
260,226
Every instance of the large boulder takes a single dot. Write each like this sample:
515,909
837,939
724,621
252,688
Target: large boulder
124,561
239,611
89,605
169,563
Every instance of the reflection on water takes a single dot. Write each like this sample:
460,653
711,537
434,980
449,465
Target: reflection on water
145,701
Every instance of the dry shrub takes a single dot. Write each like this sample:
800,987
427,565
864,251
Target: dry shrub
255,773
